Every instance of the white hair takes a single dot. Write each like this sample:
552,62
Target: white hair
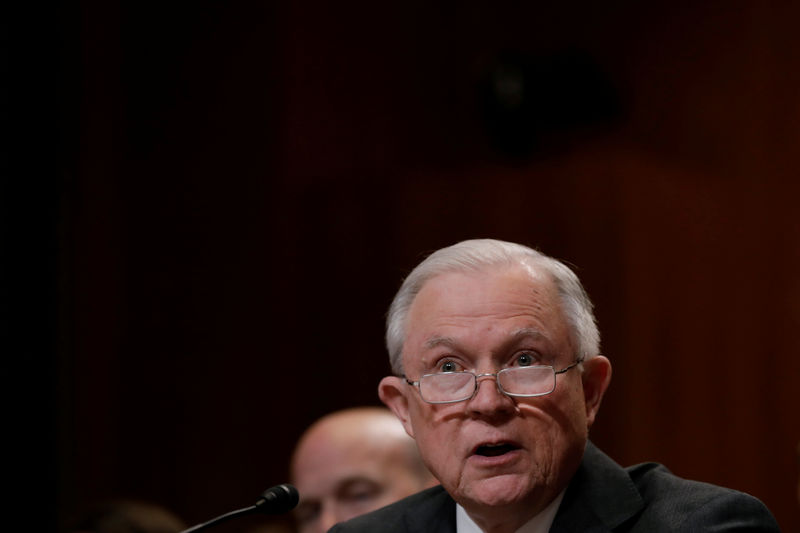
478,255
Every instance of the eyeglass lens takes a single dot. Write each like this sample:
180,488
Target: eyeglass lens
456,386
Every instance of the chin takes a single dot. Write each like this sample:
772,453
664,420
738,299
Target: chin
499,491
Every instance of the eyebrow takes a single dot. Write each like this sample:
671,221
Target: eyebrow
527,333
433,342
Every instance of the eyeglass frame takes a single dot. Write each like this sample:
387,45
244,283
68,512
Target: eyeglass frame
495,375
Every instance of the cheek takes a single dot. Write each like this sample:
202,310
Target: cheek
436,437
429,440
426,420
561,417
570,414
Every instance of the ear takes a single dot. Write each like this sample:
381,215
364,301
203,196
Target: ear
596,377
392,391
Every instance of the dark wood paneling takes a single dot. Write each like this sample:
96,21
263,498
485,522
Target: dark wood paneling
252,184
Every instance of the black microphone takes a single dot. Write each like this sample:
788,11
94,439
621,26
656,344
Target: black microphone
278,499
275,500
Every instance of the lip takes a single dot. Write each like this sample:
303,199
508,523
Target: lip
495,460
495,442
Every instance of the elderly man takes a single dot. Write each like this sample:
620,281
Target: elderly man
351,462
498,378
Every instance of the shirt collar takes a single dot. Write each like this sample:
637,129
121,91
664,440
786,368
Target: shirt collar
540,523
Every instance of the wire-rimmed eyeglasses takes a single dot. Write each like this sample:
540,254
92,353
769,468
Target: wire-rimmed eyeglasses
520,381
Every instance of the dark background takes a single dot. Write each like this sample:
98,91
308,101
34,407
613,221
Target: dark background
225,197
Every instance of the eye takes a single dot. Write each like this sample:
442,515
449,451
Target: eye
360,490
525,359
448,366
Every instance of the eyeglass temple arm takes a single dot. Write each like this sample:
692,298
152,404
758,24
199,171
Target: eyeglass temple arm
573,365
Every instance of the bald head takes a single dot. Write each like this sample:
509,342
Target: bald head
351,462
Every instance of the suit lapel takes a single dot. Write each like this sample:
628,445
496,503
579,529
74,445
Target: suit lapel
600,497
436,514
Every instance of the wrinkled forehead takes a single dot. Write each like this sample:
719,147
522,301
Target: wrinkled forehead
509,297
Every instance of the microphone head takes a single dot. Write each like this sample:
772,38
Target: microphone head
278,499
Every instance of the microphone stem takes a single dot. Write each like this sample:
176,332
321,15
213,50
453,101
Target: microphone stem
222,518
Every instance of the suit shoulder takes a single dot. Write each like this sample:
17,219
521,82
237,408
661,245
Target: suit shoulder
690,504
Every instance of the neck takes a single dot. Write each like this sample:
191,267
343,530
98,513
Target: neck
499,526
509,519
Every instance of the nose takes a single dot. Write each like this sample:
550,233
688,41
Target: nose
488,398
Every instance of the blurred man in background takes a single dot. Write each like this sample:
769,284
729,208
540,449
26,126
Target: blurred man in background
351,462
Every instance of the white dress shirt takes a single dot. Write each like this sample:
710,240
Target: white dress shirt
538,524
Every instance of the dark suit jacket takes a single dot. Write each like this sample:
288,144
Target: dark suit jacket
601,497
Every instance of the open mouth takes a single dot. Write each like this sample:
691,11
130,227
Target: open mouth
493,450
